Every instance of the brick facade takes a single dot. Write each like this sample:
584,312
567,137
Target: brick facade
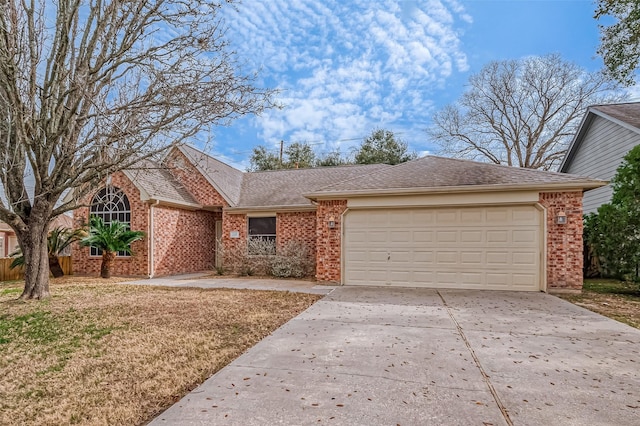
328,240
230,223
184,241
564,242
136,265
290,226
189,176
299,227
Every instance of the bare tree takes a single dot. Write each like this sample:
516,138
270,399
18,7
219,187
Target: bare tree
520,112
90,87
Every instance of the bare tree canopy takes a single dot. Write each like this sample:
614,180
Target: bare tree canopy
90,87
520,112
620,41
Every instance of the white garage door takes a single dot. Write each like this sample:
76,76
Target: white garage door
468,248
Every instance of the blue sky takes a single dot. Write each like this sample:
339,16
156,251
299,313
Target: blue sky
346,67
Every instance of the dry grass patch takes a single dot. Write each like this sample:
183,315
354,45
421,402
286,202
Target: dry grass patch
103,353
619,300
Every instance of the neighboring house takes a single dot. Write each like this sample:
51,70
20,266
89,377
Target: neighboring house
431,222
607,133
9,241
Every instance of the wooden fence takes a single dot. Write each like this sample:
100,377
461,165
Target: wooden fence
8,274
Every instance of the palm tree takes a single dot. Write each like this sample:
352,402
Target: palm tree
111,238
59,238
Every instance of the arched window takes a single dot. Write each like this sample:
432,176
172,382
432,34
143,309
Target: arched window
110,204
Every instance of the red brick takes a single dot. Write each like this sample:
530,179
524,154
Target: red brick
564,242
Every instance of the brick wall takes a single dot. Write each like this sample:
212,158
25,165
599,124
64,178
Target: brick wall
299,227
328,242
234,222
564,242
184,240
290,226
187,174
137,264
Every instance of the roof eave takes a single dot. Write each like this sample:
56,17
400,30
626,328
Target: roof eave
577,140
556,186
173,203
279,208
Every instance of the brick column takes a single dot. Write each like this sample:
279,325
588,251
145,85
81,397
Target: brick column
564,242
329,240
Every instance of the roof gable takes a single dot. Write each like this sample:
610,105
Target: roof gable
626,115
226,180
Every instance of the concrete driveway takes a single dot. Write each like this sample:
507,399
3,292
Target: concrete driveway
383,356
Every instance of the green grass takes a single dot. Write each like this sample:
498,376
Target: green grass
7,291
611,286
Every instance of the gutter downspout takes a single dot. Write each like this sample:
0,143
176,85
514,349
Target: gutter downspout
151,240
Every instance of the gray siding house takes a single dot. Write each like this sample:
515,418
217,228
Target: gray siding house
607,133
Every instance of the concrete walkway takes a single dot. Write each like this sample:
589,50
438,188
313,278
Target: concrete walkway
205,280
382,356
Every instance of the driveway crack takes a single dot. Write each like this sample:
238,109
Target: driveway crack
485,376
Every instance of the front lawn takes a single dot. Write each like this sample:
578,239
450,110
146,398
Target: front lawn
619,300
101,353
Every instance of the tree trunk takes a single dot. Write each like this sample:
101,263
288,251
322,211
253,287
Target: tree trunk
107,260
36,263
54,266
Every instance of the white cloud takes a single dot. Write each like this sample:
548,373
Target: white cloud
633,93
348,67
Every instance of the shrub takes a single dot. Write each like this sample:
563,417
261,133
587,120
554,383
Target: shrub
613,235
293,260
260,257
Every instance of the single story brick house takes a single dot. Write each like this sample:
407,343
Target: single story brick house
430,222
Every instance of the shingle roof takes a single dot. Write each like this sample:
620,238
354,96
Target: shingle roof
157,182
224,178
439,172
286,187
627,113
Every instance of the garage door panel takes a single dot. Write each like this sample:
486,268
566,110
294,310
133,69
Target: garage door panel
469,279
447,278
469,236
399,256
498,279
446,236
497,258
489,247
472,258
424,258
447,257
498,236
472,216
378,256
524,236
524,258
424,217
523,280
446,217
400,236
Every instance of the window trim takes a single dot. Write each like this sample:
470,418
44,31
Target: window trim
107,215
273,236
